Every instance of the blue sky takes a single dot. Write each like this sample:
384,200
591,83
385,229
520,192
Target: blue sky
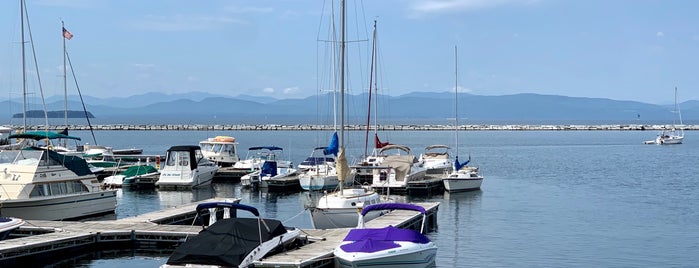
623,50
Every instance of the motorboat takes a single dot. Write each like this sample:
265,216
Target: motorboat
436,159
186,167
222,150
322,175
232,241
41,184
8,224
268,175
397,168
388,246
99,156
134,176
256,157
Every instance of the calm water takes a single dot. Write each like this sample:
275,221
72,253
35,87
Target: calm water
549,199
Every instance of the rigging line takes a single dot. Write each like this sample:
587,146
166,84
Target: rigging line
72,72
36,66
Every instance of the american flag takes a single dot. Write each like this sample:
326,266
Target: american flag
67,34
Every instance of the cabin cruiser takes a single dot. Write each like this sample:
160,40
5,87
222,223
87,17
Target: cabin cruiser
186,167
222,150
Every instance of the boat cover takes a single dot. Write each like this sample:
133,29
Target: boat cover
269,168
138,170
225,243
377,239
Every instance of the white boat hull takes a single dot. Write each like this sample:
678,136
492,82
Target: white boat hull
318,182
61,207
462,184
338,217
409,254
186,179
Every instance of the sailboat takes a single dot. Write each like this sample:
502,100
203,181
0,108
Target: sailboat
673,135
41,184
339,209
462,177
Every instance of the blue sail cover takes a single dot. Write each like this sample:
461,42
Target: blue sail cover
377,239
458,166
333,147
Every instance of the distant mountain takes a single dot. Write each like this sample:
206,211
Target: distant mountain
415,107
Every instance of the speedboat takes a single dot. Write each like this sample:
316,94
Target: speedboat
388,246
8,224
232,241
436,159
222,150
268,175
256,157
133,176
41,184
186,167
99,156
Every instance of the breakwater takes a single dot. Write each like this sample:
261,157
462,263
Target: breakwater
306,127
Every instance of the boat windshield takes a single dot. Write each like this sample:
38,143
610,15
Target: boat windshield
21,157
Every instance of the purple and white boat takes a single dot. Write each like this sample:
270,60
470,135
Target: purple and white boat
388,246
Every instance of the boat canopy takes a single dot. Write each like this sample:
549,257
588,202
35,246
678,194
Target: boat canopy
208,205
40,135
437,146
403,148
271,148
389,206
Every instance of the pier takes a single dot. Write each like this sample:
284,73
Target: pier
38,241
309,127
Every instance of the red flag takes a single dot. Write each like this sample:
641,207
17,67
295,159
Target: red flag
67,34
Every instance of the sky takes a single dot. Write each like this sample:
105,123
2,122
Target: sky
637,50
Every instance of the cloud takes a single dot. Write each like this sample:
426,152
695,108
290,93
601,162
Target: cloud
291,90
248,9
445,6
463,89
144,66
192,78
268,90
659,34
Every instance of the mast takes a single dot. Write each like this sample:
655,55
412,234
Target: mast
342,91
456,100
24,71
371,81
65,78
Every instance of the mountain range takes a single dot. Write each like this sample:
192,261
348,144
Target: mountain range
417,107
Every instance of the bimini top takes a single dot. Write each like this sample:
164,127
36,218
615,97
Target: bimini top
40,135
188,148
437,146
386,206
271,148
208,205
395,146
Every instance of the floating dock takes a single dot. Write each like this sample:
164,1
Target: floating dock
38,241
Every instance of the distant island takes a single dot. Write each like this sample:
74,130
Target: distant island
54,114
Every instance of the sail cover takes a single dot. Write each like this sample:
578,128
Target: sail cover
333,147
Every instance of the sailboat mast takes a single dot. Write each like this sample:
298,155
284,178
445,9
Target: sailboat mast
371,81
342,89
24,71
65,78
456,99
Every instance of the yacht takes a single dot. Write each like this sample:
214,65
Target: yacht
437,160
397,168
186,167
222,150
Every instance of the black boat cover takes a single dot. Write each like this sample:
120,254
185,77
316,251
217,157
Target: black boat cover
225,243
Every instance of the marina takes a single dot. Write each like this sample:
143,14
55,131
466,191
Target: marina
172,225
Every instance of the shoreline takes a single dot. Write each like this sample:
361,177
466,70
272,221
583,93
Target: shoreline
305,127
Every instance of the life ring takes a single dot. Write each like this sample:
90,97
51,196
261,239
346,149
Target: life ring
225,139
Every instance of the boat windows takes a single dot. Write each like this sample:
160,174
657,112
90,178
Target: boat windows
58,188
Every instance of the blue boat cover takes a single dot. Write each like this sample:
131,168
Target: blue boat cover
377,239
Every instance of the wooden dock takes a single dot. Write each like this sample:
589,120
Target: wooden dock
37,241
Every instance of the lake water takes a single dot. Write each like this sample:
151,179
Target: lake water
549,199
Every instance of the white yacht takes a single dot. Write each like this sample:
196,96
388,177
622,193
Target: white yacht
41,184
186,167
437,160
222,150
398,168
